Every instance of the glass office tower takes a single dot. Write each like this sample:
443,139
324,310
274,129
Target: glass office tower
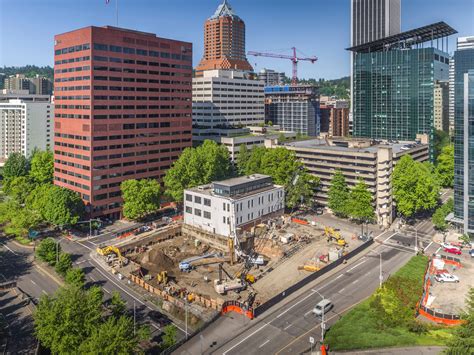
464,139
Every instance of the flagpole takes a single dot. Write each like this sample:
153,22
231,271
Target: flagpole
116,13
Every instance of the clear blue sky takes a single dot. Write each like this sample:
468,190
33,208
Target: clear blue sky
316,27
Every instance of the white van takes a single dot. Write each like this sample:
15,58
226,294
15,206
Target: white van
323,307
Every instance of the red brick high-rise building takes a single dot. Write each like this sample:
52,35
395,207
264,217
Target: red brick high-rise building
224,41
122,110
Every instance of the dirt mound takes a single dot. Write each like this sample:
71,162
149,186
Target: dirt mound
157,261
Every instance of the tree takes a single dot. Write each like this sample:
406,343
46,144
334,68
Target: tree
415,187
46,250
441,139
42,167
57,205
114,336
253,164
463,340
21,220
16,165
197,166
338,194
117,305
243,158
64,263
445,166
141,197
67,319
441,213
169,336
19,188
75,277
302,190
359,205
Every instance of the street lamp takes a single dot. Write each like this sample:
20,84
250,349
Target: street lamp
57,251
380,275
323,325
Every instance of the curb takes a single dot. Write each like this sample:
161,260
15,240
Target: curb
45,271
19,245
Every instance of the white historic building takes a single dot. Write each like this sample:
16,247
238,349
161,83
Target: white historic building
225,206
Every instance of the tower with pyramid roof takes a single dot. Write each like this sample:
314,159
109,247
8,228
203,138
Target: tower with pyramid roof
224,41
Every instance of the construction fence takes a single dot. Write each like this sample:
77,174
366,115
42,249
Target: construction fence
311,277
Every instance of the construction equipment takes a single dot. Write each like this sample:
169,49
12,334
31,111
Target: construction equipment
331,234
247,277
105,251
162,277
294,59
232,284
310,268
187,264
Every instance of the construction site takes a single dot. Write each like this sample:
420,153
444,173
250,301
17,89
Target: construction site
183,265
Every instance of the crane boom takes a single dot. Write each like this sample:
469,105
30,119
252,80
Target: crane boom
294,59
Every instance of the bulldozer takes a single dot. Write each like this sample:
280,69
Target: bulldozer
333,235
162,277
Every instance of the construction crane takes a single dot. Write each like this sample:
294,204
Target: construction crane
294,59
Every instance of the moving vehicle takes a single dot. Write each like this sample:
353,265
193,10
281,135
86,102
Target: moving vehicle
446,277
323,307
453,250
449,245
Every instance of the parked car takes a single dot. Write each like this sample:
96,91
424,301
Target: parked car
453,250
159,318
449,245
446,277
323,307
471,252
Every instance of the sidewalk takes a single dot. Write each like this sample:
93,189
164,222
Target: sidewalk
416,350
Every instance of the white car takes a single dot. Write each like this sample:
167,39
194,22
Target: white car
445,277
449,246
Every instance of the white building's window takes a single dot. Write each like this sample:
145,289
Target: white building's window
197,199
189,210
189,198
207,215
197,212
207,202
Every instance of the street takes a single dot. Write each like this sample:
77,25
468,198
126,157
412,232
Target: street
286,329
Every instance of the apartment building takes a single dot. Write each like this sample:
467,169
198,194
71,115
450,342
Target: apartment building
271,77
122,111
357,158
441,106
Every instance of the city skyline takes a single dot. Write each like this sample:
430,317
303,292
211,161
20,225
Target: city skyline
312,31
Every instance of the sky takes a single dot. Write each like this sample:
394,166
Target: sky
315,27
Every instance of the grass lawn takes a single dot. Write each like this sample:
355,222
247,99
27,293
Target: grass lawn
358,329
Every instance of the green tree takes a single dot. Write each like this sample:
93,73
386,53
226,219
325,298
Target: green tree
141,197
253,164
117,305
441,139
75,277
19,188
359,205
281,138
243,158
196,166
57,205
301,190
169,336
16,165
415,187
46,250
338,194
64,263
22,220
440,214
445,166
114,336
42,167
463,339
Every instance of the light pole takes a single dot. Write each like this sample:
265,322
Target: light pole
380,275
186,317
323,325
416,240
57,251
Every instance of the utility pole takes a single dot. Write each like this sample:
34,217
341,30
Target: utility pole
416,240
57,251
134,318
186,317
380,276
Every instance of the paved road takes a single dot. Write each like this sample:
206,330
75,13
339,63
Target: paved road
286,329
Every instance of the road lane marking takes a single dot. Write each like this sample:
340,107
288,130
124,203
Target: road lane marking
355,281
342,289
33,282
8,248
352,268
44,292
297,303
437,250
337,278
289,325
92,278
377,237
106,290
428,246
244,339
264,343
307,313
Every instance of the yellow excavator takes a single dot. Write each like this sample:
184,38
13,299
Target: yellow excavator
162,277
331,234
112,249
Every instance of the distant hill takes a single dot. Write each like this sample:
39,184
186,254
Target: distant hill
336,87
28,70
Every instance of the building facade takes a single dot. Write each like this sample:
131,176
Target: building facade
226,99
293,108
271,77
356,158
394,81
224,207
122,111
26,125
335,118
370,21
441,106
38,85
224,41
464,139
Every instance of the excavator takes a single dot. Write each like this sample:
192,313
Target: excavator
331,234
105,251
162,277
